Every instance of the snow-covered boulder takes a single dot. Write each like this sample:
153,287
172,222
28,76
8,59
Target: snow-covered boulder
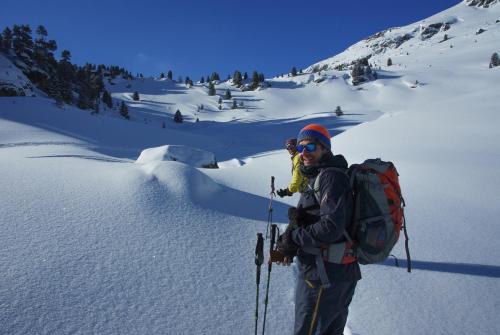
235,162
181,153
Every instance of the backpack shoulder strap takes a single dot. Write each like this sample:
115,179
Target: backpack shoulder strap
318,177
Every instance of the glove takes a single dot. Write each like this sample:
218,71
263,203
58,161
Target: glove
285,243
276,257
284,192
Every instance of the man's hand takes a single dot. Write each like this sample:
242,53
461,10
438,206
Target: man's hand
284,192
277,257
286,245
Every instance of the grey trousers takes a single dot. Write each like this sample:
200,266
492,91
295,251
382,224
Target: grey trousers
333,306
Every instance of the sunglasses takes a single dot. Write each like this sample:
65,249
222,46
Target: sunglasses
290,146
309,147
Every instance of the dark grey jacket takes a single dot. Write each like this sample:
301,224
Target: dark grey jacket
326,220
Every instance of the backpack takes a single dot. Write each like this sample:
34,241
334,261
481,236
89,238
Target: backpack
378,215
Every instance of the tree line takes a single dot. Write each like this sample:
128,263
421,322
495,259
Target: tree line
59,78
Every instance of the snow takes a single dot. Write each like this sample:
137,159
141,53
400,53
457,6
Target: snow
191,156
14,78
99,238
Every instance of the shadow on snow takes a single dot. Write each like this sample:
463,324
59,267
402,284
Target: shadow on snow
482,270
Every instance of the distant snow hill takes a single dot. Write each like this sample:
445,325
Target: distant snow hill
112,226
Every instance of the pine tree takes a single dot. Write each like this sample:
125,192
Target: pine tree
211,89
162,75
245,76
220,100
42,31
235,104
43,55
214,76
202,80
294,71
22,42
237,78
136,97
169,74
124,110
494,62
338,111
7,38
54,91
227,96
261,77
357,74
178,116
255,79
389,62
65,75
83,100
66,56
107,100
97,86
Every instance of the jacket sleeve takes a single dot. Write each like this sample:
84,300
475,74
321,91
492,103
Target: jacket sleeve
298,180
335,211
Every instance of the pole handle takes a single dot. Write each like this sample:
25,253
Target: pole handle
273,236
259,250
272,242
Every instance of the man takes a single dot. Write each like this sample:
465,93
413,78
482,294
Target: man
298,183
324,289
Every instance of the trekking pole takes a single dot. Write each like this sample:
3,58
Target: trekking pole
315,314
407,247
259,260
269,267
270,208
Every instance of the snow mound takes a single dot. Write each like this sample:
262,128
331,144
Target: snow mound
181,181
235,162
179,153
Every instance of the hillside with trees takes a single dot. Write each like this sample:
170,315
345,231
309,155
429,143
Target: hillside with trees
65,82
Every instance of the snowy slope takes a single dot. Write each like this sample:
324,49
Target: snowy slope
13,79
93,242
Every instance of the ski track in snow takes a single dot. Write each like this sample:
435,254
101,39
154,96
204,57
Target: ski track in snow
31,144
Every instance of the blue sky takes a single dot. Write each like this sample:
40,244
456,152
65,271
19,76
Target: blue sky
195,38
